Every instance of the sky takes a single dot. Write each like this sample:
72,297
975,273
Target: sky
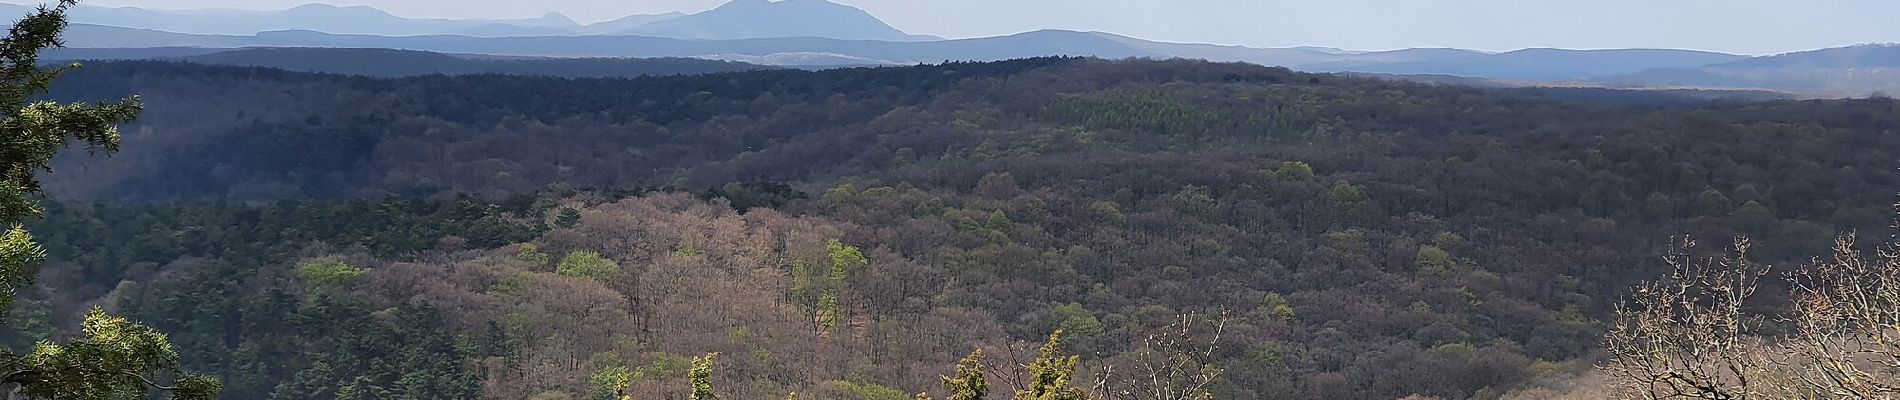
1752,27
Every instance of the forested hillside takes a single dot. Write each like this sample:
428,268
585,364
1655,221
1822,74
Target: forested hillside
851,234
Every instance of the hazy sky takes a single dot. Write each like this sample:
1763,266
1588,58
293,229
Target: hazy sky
1737,26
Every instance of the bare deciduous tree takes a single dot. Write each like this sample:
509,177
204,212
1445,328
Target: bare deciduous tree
1846,321
1174,363
1686,336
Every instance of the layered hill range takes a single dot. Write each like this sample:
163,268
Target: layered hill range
819,34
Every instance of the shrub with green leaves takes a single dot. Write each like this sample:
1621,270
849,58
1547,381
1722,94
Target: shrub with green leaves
588,265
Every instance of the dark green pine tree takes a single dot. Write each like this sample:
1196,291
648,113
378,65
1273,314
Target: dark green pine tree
567,218
115,358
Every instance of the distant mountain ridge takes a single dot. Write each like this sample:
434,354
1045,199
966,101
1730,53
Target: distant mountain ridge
805,51
1552,64
389,63
819,33
399,63
333,19
1878,55
1841,71
856,52
751,19
315,16
739,19
627,22
794,33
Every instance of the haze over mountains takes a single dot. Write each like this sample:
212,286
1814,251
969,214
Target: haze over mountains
317,17
818,33
745,19
1844,70
399,63
736,20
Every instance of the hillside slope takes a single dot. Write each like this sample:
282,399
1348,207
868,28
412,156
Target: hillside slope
1367,238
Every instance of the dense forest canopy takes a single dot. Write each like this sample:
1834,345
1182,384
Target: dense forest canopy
853,233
